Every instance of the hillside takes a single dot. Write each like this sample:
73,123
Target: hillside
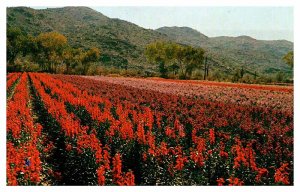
234,52
121,41
184,35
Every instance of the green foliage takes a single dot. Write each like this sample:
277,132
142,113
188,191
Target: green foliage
289,58
90,56
160,53
162,69
175,57
15,39
50,51
279,77
230,53
192,59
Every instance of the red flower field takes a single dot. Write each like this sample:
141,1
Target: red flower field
75,130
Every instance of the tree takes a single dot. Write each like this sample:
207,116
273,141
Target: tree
242,72
279,77
72,57
48,50
156,53
162,69
236,75
90,56
173,56
190,58
50,47
14,40
174,68
73,60
180,56
29,45
124,64
68,55
289,58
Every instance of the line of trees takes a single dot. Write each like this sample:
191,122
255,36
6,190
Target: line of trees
176,59
49,51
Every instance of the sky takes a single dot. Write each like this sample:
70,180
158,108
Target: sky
265,23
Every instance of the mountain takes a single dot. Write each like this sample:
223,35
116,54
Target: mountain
184,35
234,52
121,41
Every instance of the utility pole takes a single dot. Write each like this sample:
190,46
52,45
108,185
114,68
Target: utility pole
205,68
242,72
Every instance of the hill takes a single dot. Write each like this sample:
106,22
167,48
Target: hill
124,42
234,52
120,41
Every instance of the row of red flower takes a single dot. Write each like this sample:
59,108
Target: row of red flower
11,79
73,130
23,159
238,94
288,89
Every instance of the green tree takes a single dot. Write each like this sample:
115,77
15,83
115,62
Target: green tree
29,45
14,40
289,58
279,77
72,58
155,53
189,59
242,72
89,57
50,48
173,56
236,76
174,68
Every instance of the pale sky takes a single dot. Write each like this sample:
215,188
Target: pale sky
267,23
264,23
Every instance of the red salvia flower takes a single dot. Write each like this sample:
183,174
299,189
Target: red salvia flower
220,181
211,136
117,167
235,181
281,174
101,176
